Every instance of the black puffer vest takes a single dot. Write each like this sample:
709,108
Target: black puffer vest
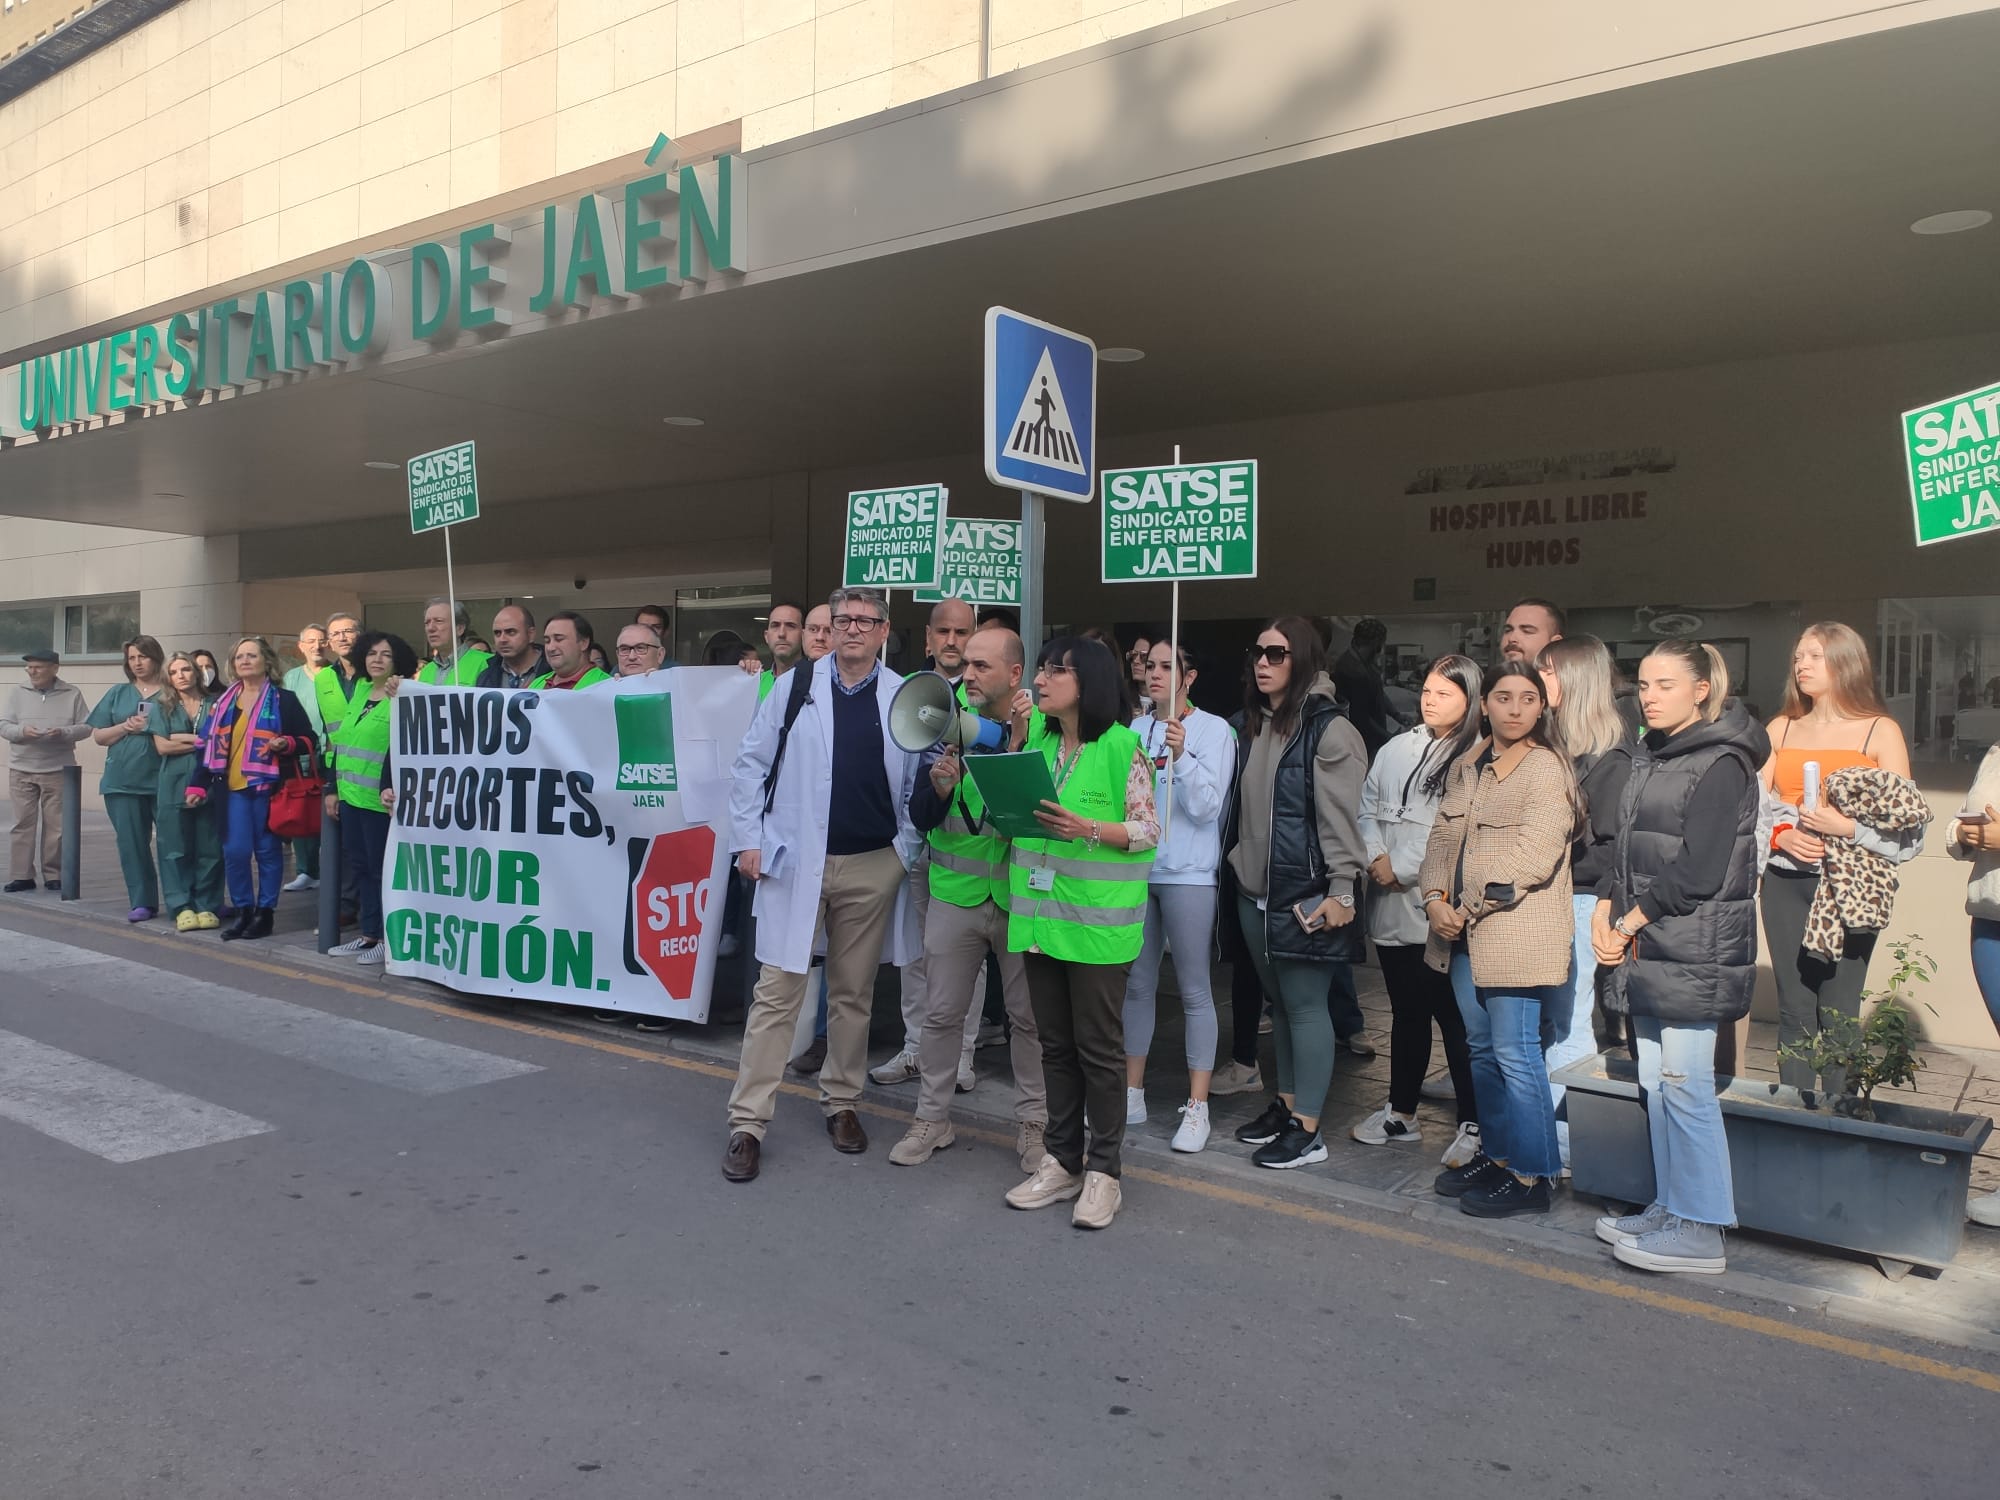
1297,866
1701,966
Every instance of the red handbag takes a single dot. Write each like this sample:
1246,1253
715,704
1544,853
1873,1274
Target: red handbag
299,800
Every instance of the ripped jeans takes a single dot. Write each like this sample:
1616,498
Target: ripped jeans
1684,1118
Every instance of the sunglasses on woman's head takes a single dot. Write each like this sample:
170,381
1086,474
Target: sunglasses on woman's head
1275,655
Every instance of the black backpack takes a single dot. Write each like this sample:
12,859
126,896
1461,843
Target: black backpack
797,699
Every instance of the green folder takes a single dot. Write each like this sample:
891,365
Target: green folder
1013,787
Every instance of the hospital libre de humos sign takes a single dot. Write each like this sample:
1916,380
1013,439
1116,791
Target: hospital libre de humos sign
1180,521
1953,448
647,239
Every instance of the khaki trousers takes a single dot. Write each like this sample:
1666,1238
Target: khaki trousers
856,899
955,942
37,795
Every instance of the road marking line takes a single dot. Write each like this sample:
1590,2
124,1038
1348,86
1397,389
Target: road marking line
103,1111
1619,1290
339,1044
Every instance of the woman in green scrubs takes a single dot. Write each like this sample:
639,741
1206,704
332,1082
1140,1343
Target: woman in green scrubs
122,723
190,845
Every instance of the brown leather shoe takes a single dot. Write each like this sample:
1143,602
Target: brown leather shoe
845,1128
740,1159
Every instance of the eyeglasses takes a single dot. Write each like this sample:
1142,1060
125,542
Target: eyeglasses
639,650
857,622
1137,658
1054,669
1275,655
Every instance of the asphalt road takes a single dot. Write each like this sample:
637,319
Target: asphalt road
265,1236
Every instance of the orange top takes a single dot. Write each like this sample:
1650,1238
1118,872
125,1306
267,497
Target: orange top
1788,774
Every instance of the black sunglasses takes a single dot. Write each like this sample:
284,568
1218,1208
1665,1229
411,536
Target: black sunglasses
1275,655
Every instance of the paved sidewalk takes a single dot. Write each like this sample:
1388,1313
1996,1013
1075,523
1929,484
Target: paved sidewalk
1962,1306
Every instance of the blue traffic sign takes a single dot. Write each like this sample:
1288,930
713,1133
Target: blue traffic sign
1041,407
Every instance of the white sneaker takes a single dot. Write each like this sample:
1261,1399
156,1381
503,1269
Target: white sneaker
1385,1126
921,1141
968,1079
1099,1203
1614,1230
1135,1106
1984,1210
1438,1090
1464,1146
1050,1184
301,882
1193,1134
1678,1245
374,955
349,949
990,1036
1234,1078
902,1068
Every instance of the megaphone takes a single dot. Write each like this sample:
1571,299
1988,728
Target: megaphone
926,712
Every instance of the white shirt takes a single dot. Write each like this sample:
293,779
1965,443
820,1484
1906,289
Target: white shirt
1192,846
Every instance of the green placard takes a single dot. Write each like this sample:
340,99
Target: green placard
645,742
980,563
1181,521
1013,787
1953,447
444,488
893,537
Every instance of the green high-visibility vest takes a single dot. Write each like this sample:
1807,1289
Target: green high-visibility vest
335,690
358,753
1093,907
465,673
588,679
968,863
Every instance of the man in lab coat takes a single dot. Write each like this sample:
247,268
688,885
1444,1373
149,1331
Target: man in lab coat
833,848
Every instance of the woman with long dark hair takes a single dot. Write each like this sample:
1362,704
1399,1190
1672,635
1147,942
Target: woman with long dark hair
1496,889
1076,911
1399,804
255,733
1832,720
1677,928
122,722
362,798
1292,849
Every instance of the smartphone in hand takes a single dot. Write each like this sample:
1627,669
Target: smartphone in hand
1312,923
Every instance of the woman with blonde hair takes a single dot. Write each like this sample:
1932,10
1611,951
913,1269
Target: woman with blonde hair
1832,720
190,848
1582,685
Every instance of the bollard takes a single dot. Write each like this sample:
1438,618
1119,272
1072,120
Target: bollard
330,867
72,831
746,941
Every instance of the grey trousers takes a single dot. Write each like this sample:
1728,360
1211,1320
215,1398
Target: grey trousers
956,940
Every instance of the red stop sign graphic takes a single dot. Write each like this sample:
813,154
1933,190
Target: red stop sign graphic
670,906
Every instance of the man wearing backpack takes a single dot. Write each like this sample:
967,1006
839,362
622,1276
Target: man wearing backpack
819,816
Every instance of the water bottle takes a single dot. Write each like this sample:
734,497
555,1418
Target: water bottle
1811,800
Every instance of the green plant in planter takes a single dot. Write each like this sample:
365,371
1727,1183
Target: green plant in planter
1880,1050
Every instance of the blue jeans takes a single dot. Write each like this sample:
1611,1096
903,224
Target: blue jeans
1503,1032
246,835
1684,1118
1986,964
1566,1033
363,848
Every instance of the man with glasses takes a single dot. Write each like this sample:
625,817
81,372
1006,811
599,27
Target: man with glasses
639,651
819,817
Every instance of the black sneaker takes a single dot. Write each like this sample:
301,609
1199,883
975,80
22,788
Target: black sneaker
1454,1181
51,885
1296,1147
1267,1127
1505,1197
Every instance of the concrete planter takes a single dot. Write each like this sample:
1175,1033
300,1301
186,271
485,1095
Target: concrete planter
1893,1187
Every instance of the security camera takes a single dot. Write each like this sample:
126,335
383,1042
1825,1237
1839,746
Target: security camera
580,583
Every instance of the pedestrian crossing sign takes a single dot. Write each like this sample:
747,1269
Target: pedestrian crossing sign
1041,407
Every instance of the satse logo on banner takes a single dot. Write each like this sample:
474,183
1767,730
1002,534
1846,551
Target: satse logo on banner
646,743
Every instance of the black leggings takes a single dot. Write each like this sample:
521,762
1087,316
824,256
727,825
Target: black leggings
1246,1009
1418,997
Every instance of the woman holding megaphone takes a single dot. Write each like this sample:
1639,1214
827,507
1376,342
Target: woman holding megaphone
1077,915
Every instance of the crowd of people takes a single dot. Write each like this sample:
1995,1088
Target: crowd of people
1550,861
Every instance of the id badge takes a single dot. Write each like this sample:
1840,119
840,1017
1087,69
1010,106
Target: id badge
1042,879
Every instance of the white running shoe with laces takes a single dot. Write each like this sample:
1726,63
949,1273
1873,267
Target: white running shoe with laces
1193,1134
1135,1106
1386,1126
1614,1230
1464,1146
902,1068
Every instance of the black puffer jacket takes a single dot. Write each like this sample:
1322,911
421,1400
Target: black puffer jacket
1700,965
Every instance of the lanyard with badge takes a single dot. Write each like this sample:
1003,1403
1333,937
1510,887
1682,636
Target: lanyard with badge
1042,878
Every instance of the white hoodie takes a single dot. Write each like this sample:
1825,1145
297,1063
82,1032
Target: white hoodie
1396,818
1192,847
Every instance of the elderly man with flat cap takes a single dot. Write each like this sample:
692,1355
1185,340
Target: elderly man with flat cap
42,721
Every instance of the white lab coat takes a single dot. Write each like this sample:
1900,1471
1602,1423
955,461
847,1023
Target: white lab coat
792,840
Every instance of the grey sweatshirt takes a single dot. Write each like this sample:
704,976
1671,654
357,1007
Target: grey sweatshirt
1340,766
61,708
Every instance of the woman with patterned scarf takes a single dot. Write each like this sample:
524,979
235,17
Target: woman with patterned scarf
251,740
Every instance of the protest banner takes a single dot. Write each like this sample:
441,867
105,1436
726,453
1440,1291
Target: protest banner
565,846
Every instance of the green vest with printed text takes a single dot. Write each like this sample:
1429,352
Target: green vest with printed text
1093,909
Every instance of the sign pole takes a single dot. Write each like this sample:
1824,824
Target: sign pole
1032,540
451,593
1173,684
